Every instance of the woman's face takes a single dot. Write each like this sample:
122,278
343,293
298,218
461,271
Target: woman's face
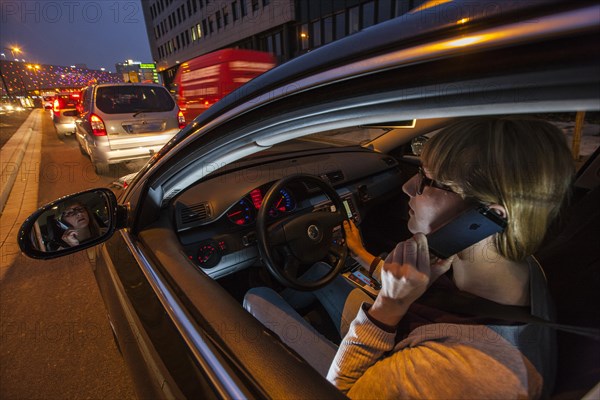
76,216
433,208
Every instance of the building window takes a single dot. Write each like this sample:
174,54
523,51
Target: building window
179,15
303,35
340,25
187,38
266,2
353,20
278,47
401,7
183,17
211,25
327,30
384,10
195,6
204,26
316,33
225,16
189,7
219,19
243,8
254,6
234,10
368,14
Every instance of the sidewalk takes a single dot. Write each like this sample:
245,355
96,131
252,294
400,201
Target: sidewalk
19,187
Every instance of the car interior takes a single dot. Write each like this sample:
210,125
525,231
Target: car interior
217,221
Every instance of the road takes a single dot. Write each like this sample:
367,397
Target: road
55,340
10,122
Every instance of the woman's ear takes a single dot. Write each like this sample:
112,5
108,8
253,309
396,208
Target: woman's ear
499,210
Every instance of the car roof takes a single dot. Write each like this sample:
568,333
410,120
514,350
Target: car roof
422,25
526,56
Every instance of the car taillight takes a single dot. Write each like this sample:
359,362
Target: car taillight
98,128
181,120
57,106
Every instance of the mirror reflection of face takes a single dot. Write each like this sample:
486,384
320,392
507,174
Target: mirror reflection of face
76,216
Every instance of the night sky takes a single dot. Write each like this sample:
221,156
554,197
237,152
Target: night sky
98,33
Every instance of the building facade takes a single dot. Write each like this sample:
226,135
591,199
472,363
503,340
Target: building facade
135,71
179,30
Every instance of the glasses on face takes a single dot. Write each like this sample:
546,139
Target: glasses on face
425,181
73,211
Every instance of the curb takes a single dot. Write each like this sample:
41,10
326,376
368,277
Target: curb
12,153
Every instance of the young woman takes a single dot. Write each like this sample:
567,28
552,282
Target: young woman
81,226
401,346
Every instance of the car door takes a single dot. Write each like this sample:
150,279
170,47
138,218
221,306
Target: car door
82,127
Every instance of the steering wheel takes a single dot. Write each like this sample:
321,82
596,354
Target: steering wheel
304,239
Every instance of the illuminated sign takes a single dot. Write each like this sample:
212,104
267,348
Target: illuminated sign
148,66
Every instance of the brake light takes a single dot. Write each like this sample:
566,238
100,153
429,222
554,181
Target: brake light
181,120
98,128
57,106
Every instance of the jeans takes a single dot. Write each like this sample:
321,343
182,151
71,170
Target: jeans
340,298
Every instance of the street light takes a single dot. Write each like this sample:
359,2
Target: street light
13,50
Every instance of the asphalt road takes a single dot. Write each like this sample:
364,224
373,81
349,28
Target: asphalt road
55,340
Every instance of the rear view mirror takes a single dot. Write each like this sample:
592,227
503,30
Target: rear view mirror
69,224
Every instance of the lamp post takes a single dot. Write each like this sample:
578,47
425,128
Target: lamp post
13,50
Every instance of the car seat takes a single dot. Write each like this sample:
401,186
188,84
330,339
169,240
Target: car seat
571,260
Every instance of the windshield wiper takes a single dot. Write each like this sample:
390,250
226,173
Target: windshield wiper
143,110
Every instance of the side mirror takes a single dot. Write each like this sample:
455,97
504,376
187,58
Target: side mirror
70,224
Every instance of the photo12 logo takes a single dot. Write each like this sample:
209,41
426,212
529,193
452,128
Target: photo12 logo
41,11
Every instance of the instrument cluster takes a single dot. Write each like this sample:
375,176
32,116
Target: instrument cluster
244,211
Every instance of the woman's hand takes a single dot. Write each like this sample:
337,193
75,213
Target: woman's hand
405,276
353,238
354,242
70,237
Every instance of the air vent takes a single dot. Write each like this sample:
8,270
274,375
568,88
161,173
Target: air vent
332,178
389,161
335,176
195,213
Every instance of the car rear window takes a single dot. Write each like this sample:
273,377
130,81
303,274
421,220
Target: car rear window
66,101
132,99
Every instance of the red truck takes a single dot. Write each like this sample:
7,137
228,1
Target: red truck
206,79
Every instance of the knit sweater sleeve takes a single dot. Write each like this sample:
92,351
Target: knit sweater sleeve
434,361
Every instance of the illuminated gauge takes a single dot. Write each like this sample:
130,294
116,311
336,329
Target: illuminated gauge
242,213
283,203
209,254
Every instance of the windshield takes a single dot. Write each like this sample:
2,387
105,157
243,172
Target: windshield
353,136
131,99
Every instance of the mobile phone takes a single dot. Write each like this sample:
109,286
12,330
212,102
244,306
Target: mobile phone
360,277
466,229
347,208
62,225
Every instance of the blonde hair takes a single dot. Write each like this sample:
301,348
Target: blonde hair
521,163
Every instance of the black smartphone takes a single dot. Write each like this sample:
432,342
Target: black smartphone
63,225
464,230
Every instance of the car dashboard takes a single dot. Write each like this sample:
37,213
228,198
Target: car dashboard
216,218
